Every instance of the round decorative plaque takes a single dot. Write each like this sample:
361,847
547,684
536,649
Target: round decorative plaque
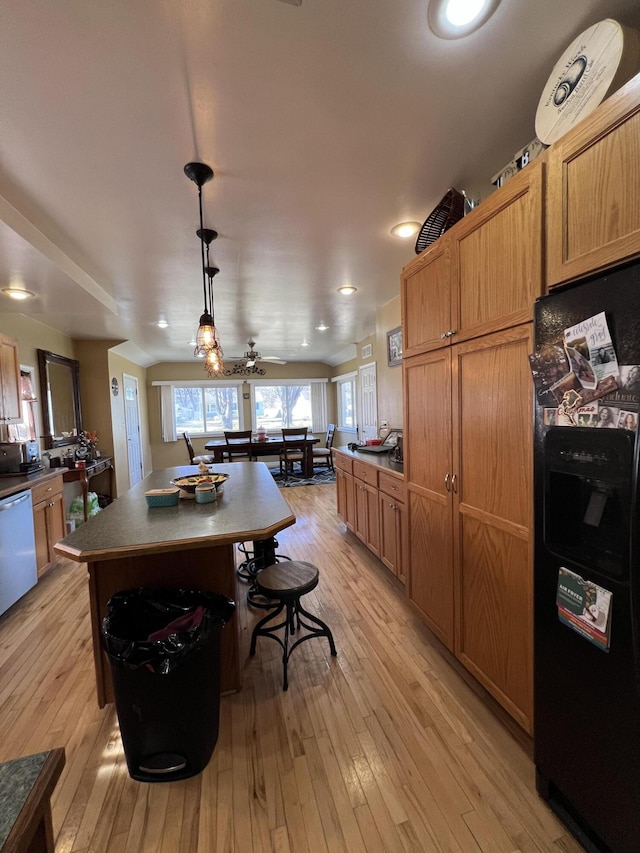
601,60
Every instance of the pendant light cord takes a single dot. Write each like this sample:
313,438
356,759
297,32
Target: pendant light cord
204,271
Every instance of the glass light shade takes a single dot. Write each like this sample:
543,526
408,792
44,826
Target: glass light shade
206,336
214,359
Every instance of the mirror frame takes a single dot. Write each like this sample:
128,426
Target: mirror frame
45,358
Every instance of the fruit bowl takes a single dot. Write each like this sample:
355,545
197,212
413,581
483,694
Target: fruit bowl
188,484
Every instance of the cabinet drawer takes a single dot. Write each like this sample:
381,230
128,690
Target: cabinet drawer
365,472
343,462
390,485
42,491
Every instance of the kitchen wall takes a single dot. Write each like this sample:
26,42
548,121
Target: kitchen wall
388,379
167,454
105,413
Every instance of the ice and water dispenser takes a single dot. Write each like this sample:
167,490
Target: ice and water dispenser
588,487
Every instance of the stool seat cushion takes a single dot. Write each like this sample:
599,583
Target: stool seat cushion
290,578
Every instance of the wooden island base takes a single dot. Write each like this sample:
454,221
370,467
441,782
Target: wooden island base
189,546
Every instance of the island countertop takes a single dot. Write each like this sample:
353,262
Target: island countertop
250,508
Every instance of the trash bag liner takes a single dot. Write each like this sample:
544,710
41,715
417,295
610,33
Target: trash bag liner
135,614
167,690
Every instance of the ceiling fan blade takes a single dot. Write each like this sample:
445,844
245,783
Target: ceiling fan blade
292,2
273,359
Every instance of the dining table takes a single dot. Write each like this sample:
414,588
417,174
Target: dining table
271,446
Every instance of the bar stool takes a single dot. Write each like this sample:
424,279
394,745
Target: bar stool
286,583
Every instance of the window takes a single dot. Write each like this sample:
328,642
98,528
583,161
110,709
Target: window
200,408
346,394
290,403
26,429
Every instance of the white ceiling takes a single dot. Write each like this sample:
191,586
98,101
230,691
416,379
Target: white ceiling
325,123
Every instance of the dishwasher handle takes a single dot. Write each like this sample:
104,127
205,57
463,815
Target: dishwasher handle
23,497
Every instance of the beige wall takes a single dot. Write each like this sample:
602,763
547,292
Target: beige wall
167,454
118,366
388,379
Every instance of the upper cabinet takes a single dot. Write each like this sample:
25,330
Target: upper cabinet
426,300
10,405
593,214
496,258
483,275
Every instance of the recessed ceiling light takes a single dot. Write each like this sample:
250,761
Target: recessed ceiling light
162,324
405,229
347,289
321,328
304,344
453,19
18,293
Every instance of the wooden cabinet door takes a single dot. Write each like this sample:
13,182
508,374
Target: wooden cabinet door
497,260
373,523
346,498
49,526
388,532
493,515
593,214
362,510
42,539
428,467
10,396
341,494
393,534
56,522
426,300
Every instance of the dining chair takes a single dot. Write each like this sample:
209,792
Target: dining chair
293,448
236,438
322,455
193,459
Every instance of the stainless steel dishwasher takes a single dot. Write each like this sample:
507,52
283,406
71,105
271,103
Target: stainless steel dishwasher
18,571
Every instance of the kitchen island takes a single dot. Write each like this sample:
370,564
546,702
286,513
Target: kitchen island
191,545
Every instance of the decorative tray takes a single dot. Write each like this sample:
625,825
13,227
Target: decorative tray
188,484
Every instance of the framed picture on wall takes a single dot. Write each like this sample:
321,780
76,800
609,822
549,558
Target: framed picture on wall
394,347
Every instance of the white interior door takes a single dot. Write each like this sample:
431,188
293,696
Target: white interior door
132,426
368,426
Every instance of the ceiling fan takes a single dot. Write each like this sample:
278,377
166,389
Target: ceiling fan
252,356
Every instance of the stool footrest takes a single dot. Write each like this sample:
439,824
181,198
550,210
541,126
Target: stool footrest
292,622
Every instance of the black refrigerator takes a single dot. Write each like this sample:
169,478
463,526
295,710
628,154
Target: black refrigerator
587,677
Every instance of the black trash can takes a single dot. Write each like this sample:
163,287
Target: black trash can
164,650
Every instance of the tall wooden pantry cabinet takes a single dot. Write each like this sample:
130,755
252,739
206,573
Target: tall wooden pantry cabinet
467,427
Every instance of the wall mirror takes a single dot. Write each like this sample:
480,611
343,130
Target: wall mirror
60,396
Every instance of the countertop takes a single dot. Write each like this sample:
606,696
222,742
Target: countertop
251,507
13,485
380,460
18,780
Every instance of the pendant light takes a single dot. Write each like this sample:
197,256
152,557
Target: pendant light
207,337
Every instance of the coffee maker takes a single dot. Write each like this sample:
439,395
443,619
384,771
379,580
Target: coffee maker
20,457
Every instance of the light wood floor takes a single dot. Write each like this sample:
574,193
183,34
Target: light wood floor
384,748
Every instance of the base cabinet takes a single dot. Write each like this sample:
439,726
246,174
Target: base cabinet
371,503
48,520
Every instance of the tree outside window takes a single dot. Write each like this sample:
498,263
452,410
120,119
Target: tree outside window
278,406
206,409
